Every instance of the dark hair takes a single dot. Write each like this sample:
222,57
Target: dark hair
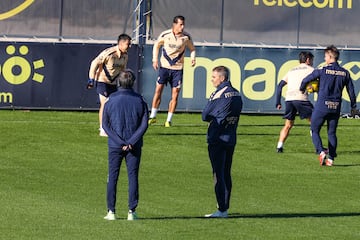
303,56
123,37
333,51
126,79
224,71
177,18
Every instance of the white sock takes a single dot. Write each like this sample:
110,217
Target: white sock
169,117
280,144
153,112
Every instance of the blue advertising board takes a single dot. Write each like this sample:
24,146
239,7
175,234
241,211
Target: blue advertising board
255,72
48,75
53,76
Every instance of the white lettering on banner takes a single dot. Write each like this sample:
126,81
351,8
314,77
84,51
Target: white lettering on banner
269,77
305,3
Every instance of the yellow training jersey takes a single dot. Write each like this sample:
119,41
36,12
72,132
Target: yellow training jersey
108,65
173,49
294,78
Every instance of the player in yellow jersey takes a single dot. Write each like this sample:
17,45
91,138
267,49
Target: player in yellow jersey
105,68
174,41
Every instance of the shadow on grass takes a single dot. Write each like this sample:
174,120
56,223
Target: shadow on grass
347,165
270,215
204,134
179,134
350,152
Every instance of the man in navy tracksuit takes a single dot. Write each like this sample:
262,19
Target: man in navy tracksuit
332,80
125,120
222,111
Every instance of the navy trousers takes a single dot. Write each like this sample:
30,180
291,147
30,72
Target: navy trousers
132,158
221,160
318,119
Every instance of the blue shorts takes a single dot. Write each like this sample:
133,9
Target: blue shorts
173,77
105,89
304,108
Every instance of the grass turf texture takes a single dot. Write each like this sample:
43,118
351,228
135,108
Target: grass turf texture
53,168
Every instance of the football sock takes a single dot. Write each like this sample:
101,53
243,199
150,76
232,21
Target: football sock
280,144
169,117
153,112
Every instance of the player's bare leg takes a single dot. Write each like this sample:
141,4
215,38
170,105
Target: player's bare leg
284,133
156,102
101,110
172,105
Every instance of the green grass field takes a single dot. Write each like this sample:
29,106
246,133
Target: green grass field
53,169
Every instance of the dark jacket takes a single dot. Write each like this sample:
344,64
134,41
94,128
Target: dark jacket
223,112
332,80
125,118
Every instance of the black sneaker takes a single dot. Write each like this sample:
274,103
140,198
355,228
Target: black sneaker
280,150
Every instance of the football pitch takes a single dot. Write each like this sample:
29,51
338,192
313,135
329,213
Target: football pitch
53,170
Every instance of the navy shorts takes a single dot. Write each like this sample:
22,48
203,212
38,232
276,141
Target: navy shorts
304,108
173,77
105,89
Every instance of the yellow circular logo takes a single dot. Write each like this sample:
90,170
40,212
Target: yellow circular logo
17,69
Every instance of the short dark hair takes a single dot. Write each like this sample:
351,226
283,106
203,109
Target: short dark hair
177,18
126,79
223,71
305,55
123,37
333,51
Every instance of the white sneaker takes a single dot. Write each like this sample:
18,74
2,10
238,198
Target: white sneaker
329,162
217,214
110,216
102,132
132,216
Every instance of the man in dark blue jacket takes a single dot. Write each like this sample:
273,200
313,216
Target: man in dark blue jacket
332,80
125,120
222,112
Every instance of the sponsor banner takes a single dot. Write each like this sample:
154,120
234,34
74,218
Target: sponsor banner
255,72
54,76
274,22
295,22
49,75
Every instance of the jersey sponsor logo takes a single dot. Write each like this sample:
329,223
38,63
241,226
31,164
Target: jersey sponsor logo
231,94
335,72
332,105
232,120
305,3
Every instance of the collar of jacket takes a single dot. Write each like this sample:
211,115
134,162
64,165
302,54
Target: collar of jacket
223,84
